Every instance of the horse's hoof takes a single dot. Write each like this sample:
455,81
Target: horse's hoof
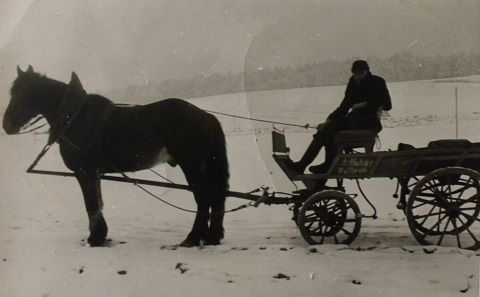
188,243
97,241
212,241
213,238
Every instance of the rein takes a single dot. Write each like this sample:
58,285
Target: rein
32,130
306,126
36,120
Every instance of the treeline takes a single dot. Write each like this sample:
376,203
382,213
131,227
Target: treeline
399,67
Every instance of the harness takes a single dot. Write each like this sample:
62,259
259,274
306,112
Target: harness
69,112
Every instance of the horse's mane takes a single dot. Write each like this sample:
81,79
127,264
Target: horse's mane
35,82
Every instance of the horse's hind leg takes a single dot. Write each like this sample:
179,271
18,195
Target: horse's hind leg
200,226
216,231
90,183
200,192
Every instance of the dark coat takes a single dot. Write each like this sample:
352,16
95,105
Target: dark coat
372,90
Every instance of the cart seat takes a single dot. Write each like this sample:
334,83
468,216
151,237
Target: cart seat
449,143
351,139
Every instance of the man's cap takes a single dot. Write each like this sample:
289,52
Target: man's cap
360,65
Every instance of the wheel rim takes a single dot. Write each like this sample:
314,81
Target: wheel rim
329,217
443,208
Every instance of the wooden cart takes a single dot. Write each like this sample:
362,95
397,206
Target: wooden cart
439,189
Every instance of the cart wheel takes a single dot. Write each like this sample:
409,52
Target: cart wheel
329,217
443,208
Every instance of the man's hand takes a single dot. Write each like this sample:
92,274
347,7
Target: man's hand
322,124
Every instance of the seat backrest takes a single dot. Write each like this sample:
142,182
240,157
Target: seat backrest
279,144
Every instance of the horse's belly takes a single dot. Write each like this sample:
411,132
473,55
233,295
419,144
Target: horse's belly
132,156
149,161
162,157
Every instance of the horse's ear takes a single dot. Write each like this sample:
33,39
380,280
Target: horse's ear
30,69
75,83
19,71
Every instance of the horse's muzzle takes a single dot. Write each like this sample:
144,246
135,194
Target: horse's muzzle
8,127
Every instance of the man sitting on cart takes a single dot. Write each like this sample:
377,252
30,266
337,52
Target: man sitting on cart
365,97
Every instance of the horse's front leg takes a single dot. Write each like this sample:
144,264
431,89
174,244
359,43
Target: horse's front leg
89,180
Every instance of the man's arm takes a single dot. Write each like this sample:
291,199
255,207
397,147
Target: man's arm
387,104
344,107
379,99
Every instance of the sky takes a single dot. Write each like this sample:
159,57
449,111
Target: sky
116,43
11,13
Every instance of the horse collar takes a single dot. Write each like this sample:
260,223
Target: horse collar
68,112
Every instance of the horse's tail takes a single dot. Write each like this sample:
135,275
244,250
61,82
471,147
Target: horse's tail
217,164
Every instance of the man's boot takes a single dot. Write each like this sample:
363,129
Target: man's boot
329,157
308,157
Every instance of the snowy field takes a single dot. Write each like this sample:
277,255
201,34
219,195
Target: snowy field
43,223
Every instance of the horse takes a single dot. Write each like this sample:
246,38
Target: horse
96,136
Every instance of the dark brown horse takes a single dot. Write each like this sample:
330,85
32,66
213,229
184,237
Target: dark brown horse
96,137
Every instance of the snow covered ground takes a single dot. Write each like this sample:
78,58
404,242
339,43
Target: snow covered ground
43,223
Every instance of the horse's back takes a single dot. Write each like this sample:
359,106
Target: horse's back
134,136
172,119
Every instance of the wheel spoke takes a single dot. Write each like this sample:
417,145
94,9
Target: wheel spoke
429,186
471,199
457,234
469,232
425,201
467,185
437,225
469,217
449,182
346,232
338,211
419,205
443,233
331,204
335,238
310,225
461,190
468,208
333,208
433,188
428,195
323,235
308,220
438,194
429,214
319,228
414,183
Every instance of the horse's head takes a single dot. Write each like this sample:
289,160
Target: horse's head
22,106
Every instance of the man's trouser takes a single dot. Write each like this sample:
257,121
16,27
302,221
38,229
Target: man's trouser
325,138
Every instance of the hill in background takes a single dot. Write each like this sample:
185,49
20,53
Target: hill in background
399,67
